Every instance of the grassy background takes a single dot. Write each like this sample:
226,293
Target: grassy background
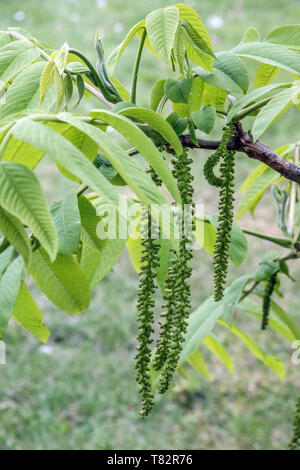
79,392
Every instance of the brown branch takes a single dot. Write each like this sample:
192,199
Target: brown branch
243,142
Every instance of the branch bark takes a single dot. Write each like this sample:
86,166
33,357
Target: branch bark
243,142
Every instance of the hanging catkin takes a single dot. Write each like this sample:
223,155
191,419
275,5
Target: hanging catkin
267,300
145,306
225,218
295,442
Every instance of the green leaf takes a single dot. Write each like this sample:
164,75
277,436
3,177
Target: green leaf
158,123
271,54
9,288
97,265
253,96
251,35
203,319
229,73
22,196
255,309
24,93
143,144
286,319
161,28
254,192
15,233
188,13
273,110
204,119
213,96
89,223
130,171
287,35
220,352
268,266
252,177
15,56
115,55
234,68
27,313
67,221
21,61
180,46
47,79
196,360
178,91
157,93
238,244
67,155
63,282
265,75
20,152
60,57
195,39
205,235
269,361
123,92
5,258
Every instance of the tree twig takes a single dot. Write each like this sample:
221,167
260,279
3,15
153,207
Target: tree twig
243,142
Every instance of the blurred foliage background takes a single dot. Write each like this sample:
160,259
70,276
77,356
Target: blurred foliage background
78,391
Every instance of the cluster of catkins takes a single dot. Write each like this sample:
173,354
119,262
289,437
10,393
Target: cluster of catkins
176,296
225,219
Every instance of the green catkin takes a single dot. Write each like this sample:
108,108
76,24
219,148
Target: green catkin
215,157
295,442
178,289
225,219
145,305
267,300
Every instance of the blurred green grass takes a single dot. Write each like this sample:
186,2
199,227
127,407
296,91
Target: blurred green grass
79,391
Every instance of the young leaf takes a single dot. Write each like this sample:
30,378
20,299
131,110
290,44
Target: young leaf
253,194
27,313
273,110
265,75
115,55
14,57
270,361
287,35
157,93
195,39
67,221
161,28
24,92
220,352
63,281
251,35
272,54
143,144
47,79
15,233
22,196
253,96
204,119
9,288
158,123
188,13
130,171
89,223
178,91
196,360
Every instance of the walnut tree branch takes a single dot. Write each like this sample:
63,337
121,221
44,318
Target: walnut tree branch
243,142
